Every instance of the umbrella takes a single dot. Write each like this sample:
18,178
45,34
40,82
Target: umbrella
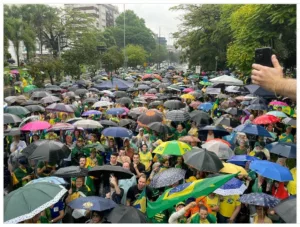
218,131
200,117
60,107
110,93
139,100
92,203
11,118
18,99
51,179
39,94
286,209
12,132
220,140
97,146
35,108
61,126
203,160
108,123
287,150
101,104
173,147
159,127
278,103
106,170
16,110
277,114
29,119
149,96
233,169
227,121
143,87
47,150
29,88
206,106
189,139
195,104
115,111
167,177
26,202
205,83
197,94
152,91
117,132
292,185
120,94
69,94
91,112
253,130
95,90
258,100
174,104
30,102
233,111
125,122
81,92
126,214
187,90
73,120
149,117
259,199
90,100
87,124
228,103
265,119
241,159
36,126
225,79
271,170
155,104
231,187
257,107
222,96
178,115
213,91
71,171
132,89
124,100
220,149
289,121
187,96
259,91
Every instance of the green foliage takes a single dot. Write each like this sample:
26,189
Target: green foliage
136,55
159,54
113,58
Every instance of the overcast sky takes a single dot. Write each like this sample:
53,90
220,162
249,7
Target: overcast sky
155,16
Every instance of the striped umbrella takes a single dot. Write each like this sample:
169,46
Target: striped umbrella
173,147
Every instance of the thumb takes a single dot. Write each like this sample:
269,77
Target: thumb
275,62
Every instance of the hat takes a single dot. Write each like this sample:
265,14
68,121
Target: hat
180,204
260,144
80,139
141,129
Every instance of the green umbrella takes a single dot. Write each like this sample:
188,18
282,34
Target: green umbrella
97,146
156,81
205,83
26,202
29,88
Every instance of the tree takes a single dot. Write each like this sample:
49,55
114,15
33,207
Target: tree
159,54
113,58
136,55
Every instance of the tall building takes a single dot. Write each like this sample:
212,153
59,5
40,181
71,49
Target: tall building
105,14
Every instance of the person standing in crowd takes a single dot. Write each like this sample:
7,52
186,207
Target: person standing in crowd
136,167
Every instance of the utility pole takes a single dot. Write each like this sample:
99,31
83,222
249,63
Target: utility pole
125,60
158,65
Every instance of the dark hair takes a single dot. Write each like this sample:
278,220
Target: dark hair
136,154
82,156
114,154
202,207
144,144
122,148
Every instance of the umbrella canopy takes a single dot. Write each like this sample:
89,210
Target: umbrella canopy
115,111
259,199
124,100
277,114
125,122
241,160
253,130
271,170
29,88
97,146
60,107
195,104
203,160
16,110
206,106
155,104
152,91
35,108
90,100
92,203
278,103
69,94
117,132
287,150
218,131
12,132
232,187
200,118
120,94
61,126
174,104
91,112
220,140
108,123
178,115
73,120
189,139
29,119
101,104
289,121
286,210
47,150
258,100
257,107
225,79
159,127
173,147
107,170
197,94
81,92
149,117
71,171
167,177
51,179
143,87
39,94
30,102
233,111
227,121
87,124
228,103
188,96
25,202
259,91
139,100
265,119
11,118
233,169
36,126
220,149
12,99
126,214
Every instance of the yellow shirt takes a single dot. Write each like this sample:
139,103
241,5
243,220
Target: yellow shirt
145,159
228,205
193,132
266,220
204,221
213,202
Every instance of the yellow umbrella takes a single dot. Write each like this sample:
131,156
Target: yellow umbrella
173,147
292,185
187,96
231,168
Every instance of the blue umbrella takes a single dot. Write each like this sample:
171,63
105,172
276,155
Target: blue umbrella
120,84
271,170
253,130
115,111
232,187
52,179
245,103
205,106
241,159
117,132
92,203
219,131
287,150
259,199
90,112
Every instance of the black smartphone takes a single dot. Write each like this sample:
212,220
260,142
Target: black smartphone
263,56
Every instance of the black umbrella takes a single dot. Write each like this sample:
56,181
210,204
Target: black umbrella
227,121
124,100
69,94
289,121
126,214
152,91
35,108
39,94
90,100
218,131
257,107
258,100
108,123
155,104
18,99
11,118
95,90
47,150
259,91
125,122
203,160
71,171
12,132
174,104
159,127
106,170
81,92
178,115
200,117
233,111
120,94
286,209
144,86
60,107
132,89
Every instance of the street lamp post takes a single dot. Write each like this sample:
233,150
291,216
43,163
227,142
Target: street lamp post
217,58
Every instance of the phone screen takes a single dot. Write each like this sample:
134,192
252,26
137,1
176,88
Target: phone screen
263,56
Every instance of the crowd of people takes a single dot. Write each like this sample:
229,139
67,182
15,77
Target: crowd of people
137,153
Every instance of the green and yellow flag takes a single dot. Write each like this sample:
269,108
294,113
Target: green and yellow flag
140,203
215,106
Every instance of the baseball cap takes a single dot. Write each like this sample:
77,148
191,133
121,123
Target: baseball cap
180,204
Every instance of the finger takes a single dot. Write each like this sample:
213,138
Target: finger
257,66
256,72
275,62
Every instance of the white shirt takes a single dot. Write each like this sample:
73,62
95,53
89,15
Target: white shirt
20,146
173,219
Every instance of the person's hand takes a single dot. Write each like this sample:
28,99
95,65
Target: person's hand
193,204
156,169
28,177
230,220
113,180
107,196
70,191
267,77
135,165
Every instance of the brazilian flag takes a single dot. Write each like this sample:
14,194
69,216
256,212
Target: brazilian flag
140,203
215,106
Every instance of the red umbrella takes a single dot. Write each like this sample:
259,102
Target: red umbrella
147,76
265,119
195,104
219,140
187,90
156,76
36,126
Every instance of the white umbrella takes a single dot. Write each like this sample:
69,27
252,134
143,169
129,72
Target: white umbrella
228,80
102,103
220,149
88,124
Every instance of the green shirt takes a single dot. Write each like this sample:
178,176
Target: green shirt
177,134
160,218
49,168
239,151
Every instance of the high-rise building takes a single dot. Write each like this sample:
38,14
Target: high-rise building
105,14
162,41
